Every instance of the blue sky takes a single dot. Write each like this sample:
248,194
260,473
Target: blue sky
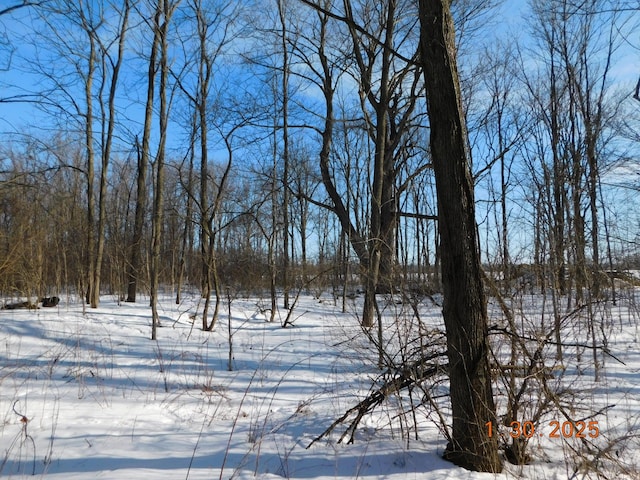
15,79
509,21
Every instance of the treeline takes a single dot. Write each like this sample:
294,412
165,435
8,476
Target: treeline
197,144
44,232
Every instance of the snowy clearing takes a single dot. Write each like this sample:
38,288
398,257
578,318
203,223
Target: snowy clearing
86,394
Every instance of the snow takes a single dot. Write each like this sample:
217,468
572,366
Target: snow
84,393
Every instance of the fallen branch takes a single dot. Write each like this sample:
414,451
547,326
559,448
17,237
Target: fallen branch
403,378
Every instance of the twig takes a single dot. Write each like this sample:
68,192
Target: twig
25,421
548,341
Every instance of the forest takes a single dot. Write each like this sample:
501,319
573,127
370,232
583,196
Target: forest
289,150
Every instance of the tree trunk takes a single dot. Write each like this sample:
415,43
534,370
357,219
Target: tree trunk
90,152
160,31
143,162
464,308
106,150
187,232
285,153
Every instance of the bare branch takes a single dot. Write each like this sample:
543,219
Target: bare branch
25,3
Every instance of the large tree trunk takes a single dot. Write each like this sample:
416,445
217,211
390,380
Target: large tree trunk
464,309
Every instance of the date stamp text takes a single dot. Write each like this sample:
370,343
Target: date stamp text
557,429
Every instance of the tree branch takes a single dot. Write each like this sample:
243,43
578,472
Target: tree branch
20,5
405,377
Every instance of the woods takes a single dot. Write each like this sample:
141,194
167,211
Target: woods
394,149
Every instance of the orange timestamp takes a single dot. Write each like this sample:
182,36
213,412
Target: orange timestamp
579,429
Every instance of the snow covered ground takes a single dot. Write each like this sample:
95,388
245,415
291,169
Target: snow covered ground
86,394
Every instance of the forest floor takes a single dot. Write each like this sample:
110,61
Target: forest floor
85,393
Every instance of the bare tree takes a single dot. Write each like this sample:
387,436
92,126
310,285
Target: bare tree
164,10
389,85
464,308
187,231
142,163
214,22
285,40
80,70
108,123
379,41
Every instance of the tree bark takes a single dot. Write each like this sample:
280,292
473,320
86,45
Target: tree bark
464,308
164,13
